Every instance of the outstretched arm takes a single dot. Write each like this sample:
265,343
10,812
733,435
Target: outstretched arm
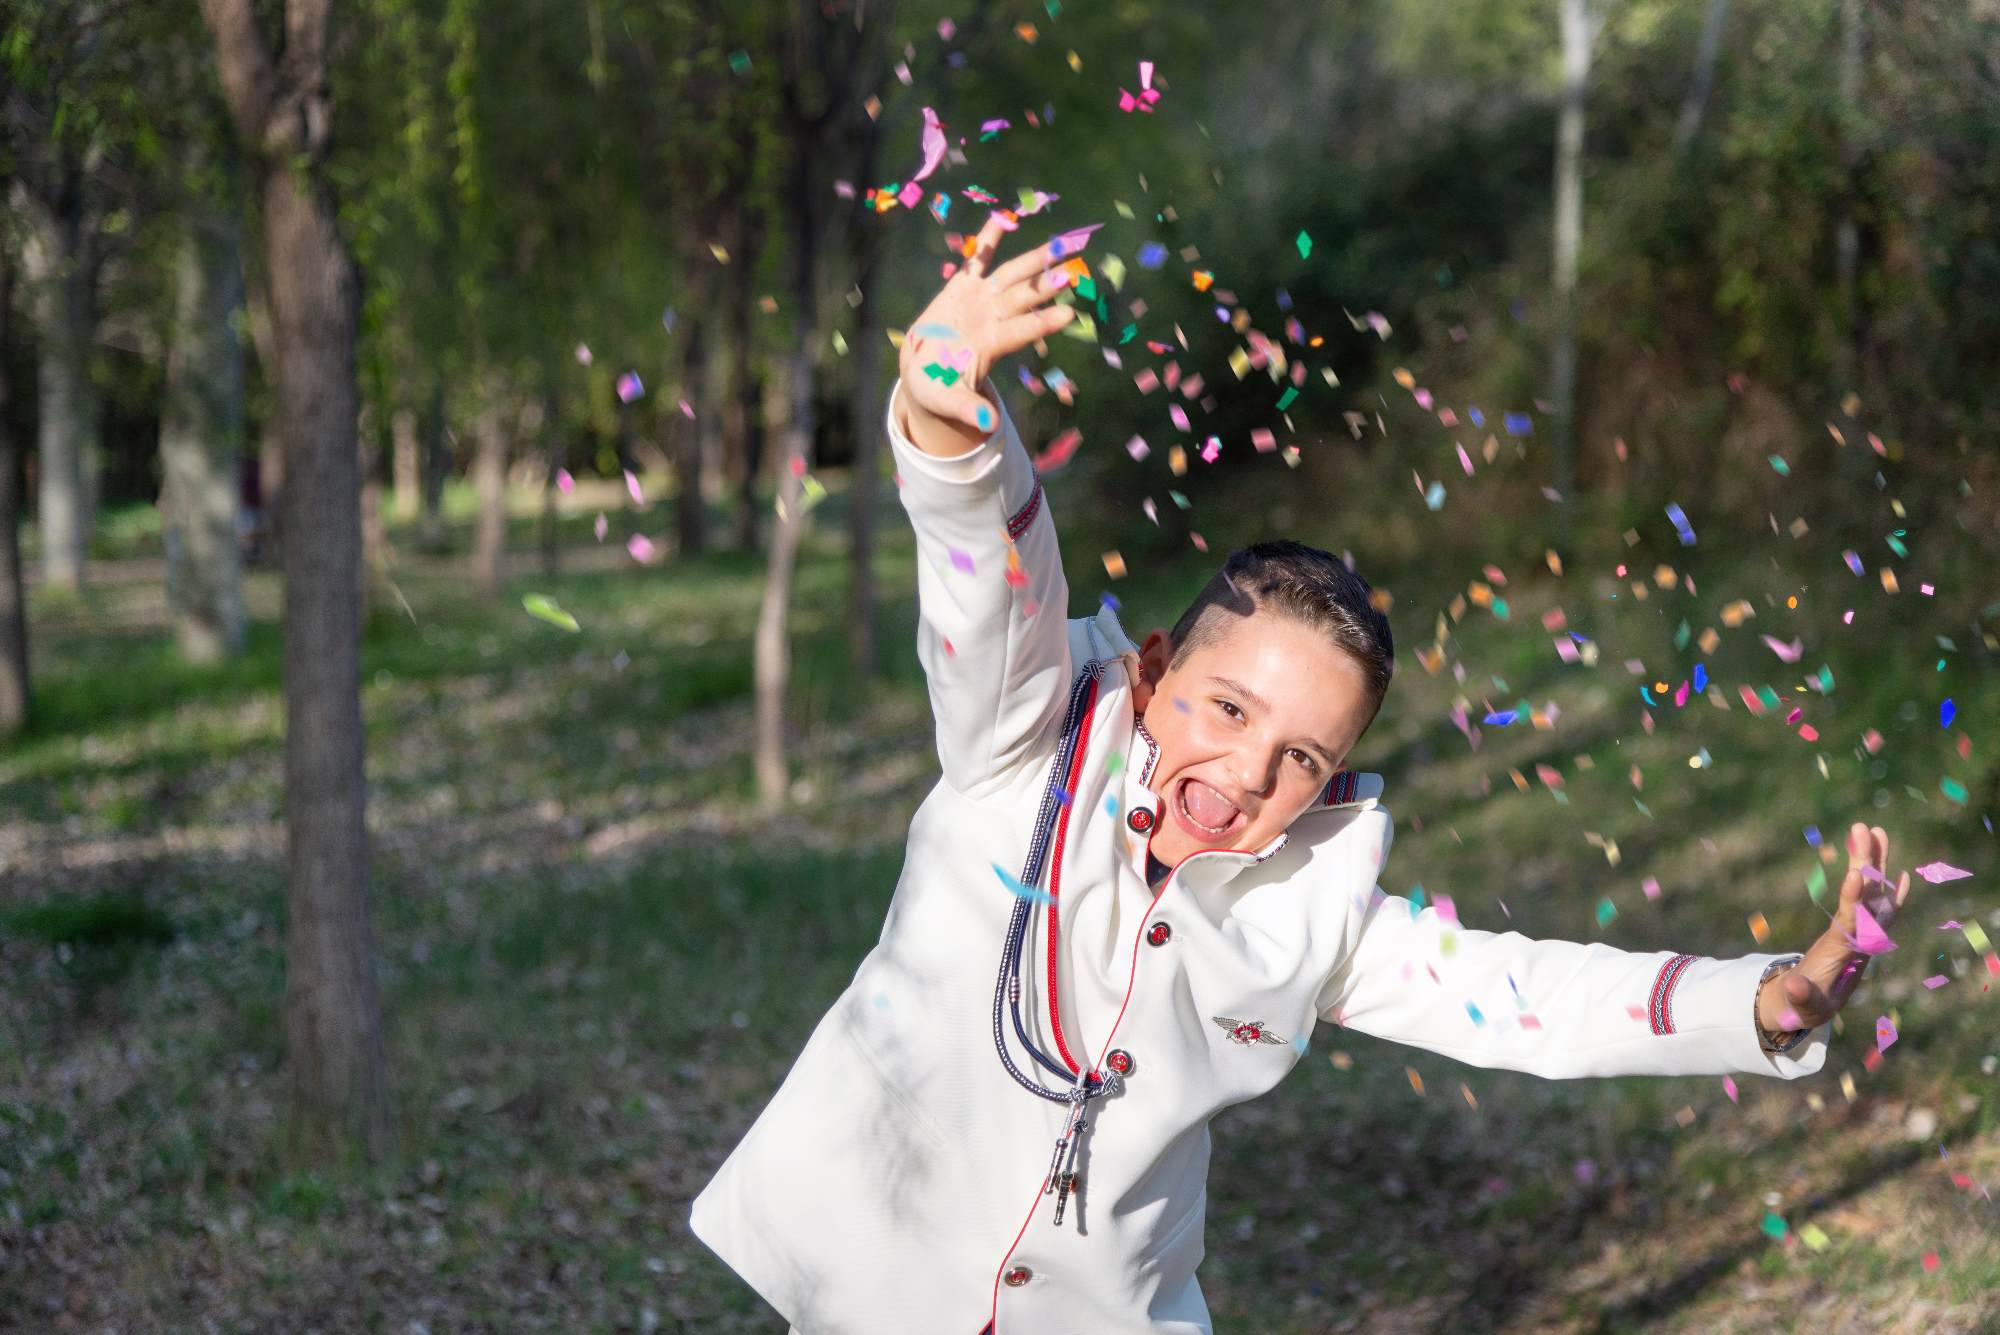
991,597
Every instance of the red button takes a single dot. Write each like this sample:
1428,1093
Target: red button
1159,934
1018,1276
1119,1060
1140,819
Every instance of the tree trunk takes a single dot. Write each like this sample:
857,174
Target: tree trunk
437,466
409,462
556,455
339,1076
15,698
59,273
772,667
1576,40
201,439
373,443
270,431
869,411
489,482
742,408
690,506
1847,231
1696,101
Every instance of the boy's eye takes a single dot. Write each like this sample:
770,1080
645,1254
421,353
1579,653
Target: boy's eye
1312,766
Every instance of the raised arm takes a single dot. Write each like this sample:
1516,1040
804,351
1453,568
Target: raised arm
1558,1009
992,602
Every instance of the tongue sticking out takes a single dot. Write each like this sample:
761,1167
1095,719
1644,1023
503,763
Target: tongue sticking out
1206,805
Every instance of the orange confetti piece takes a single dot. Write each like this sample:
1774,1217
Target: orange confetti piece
1416,1081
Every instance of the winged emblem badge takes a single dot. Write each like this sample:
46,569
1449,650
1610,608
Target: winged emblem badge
1247,1032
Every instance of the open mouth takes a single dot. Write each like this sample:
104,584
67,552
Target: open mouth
1204,812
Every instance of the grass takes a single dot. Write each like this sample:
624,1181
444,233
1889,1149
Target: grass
597,961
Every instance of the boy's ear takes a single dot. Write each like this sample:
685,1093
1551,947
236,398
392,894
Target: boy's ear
1154,655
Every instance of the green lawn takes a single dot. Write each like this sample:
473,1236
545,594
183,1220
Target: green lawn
598,961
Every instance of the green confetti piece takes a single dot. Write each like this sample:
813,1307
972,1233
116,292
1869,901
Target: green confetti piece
1816,882
1500,608
1767,697
1115,764
939,371
1682,634
1897,547
1086,289
1178,499
1953,789
1606,911
544,609
1773,1224
1286,401
1305,245
739,61
1825,679
1782,468
1128,333
1814,1236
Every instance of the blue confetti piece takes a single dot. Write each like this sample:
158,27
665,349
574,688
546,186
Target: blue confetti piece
1500,718
1681,525
1019,891
1700,678
1434,496
1649,697
932,329
1299,1044
1519,424
1812,835
1946,713
1111,805
1478,418
1152,255
1473,1011
1065,796
1284,300
1108,599
1853,561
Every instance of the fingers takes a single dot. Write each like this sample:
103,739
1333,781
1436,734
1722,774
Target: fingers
1902,889
1025,265
1033,291
1019,331
966,404
985,244
1805,998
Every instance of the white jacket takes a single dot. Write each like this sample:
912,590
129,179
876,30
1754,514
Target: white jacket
896,1181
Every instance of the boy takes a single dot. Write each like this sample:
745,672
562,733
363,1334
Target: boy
1141,880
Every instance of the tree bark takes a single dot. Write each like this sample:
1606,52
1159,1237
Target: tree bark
407,472
15,696
437,467
1696,102
201,439
742,408
489,482
869,412
339,1076
772,667
690,502
59,273
554,451
1576,41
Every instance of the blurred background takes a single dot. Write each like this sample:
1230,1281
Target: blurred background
456,677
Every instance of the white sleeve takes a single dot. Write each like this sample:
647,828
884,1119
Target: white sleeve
995,650
1558,1009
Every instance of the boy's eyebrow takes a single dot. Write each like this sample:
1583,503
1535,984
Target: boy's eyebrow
1238,688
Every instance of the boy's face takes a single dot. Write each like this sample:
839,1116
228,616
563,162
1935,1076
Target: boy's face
1250,727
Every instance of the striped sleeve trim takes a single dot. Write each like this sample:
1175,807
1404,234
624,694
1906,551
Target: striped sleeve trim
1340,788
1026,514
1660,1006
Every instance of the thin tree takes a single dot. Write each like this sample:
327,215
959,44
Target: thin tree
1579,31
14,693
283,110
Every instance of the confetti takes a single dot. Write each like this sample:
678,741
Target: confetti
629,387
1869,938
1937,873
545,609
1885,1033
1729,1088
1681,525
1020,891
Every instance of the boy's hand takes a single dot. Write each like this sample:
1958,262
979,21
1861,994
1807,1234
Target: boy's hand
982,315
1813,991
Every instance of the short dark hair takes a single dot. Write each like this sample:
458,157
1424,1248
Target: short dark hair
1314,588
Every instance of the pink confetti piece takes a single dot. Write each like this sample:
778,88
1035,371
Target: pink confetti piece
583,353
1059,451
1152,511
1179,416
1137,447
687,410
1072,241
564,482
1651,885
629,387
1885,1033
1729,1088
640,548
1939,872
1447,911
1211,450
1936,981
934,146
1787,653
632,485
961,560
1147,380
1464,459
603,526
1264,439
1869,938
